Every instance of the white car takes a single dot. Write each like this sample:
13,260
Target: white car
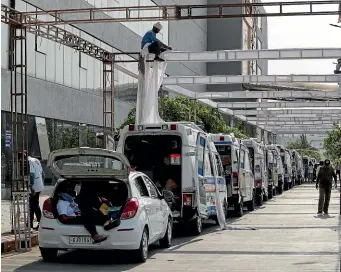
145,217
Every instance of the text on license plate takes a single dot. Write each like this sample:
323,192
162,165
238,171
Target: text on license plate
80,240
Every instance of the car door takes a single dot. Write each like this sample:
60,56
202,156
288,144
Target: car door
249,177
146,202
156,207
200,165
242,172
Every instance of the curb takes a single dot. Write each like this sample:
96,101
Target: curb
9,245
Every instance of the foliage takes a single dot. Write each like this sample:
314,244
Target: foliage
304,148
185,109
332,144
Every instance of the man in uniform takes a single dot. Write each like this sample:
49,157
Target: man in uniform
324,183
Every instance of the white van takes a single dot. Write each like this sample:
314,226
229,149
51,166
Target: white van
238,174
279,168
286,160
258,166
180,153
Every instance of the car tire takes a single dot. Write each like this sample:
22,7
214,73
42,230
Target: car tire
166,241
49,254
196,226
251,204
270,193
239,209
141,255
259,200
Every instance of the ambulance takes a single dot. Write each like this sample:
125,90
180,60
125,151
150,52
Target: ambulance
258,166
181,152
271,165
279,170
287,165
238,173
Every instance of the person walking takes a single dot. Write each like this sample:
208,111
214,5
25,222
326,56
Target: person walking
37,186
338,170
324,183
311,172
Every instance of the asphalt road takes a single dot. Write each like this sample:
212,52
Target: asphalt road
283,235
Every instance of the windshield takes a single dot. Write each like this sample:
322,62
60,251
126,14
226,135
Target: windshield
94,163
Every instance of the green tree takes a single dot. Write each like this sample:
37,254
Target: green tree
185,109
332,143
304,148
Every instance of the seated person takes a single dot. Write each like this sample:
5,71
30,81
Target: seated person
70,213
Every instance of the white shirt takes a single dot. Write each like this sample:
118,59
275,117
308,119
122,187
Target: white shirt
311,169
37,170
63,207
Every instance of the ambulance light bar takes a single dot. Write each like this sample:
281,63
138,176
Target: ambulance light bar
164,127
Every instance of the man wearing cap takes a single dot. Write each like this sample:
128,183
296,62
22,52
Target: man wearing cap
151,44
324,181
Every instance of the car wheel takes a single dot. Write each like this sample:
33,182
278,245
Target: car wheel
166,241
49,254
251,204
142,252
239,209
196,226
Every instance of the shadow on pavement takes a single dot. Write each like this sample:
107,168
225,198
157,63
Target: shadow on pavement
121,260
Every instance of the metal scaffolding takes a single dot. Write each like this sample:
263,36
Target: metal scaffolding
22,23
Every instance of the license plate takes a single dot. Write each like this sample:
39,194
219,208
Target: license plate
80,240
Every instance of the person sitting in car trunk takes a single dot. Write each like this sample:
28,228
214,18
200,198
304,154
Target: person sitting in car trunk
70,213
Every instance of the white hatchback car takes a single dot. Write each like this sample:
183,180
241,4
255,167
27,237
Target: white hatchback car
144,217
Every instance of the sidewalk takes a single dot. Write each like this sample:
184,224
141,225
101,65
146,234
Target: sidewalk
7,239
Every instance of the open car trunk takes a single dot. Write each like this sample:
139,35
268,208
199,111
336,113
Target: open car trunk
89,191
159,157
96,173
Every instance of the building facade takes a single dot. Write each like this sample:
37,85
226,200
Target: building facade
65,86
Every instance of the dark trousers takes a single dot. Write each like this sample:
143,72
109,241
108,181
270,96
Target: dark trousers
34,208
324,198
89,219
156,48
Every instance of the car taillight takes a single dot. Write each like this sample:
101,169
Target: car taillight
258,183
235,178
131,127
187,200
173,127
47,209
130,209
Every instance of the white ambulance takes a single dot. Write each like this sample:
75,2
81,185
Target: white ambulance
238,174
179,153
287,165
271,165
279,170
258,166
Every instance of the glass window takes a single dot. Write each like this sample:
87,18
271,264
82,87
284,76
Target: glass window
141,187
67,66
208,166
51,61
242,156
151,187
200,156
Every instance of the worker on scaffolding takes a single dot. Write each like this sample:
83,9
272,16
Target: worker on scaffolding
338,67
151,44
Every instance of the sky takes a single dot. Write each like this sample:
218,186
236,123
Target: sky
303,32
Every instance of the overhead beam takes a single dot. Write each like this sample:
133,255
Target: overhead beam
269,94
268,104
300,131
234,79
293,123
313,111
182,12
261,54
285,118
